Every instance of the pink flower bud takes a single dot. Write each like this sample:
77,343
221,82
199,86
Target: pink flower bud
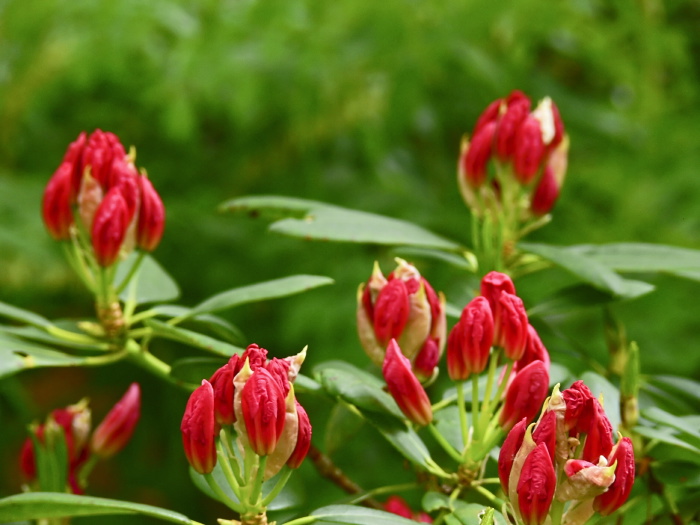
222,383
303,439
405,387
476,155
599,434
102,150
546,432
109,227
525,395
117,427
427,359
397,505
199,429
470,340
577,399
518,107
56,206
263,409
546,193
492,284
510,448
490,114
256,356
623,457
528,151
512,326
391,311
536,486
151,217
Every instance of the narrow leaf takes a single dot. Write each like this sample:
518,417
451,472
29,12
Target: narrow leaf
150,284
25,316
402,437
352,515
642,257
195,339
47,505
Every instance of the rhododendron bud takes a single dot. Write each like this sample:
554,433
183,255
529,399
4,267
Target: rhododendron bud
528,151
470,340
404,307
476,154
585,480
534,351
549,186
56,206
512,326
151,217
517,109
599,434
102,150
623,457
509,449
490,114
577,399
303,438
222,383
546,432
427,359
492,284
263,409
109,227
525,395
117,427
405,387
74,158
199,429
536,486
397,505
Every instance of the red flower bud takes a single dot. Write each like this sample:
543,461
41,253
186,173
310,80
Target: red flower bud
397,505
117,427
101,152
546,432
222,383
427,359
492,285
577,399
534,351
391,311
256,356
476,154
619,491
109,227
599,434
536,486
546,193
56,206
199,429
525,395
528,151
469,342
405,387
263,408
512,326
510,448
74,158
518,107
303,439
490,114
151,217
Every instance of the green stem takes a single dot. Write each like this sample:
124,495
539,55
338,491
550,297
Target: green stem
496,502
556,511
504,381
146,314
132,271
256,492
475,406
281,482
389,489
304,520
486,405
223,497
462,408
444,444
443,403
76,261
73,337
228,470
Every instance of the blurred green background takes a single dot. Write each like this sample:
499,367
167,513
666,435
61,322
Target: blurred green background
357,102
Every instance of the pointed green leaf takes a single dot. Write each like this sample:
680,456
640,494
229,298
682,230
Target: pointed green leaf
464,261
150,284
351,515
688,424
47,505
195,339
356,387
666,435
25,316
215,324
260,292
589,271
402,437
341,427
570,300
194,369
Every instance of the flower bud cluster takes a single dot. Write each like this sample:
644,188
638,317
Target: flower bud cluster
528,148
566,460
402,306
397,505
97,191
255,396
74,423
496,319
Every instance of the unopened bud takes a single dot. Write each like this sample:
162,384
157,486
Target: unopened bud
117,427
109,227
151,217
470,340
303,442
525,395
536,486
623,457
529,150
405,387
199,429
56,206
263,409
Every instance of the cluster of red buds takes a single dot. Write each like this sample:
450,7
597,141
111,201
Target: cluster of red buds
397,505
529,150
566,465
254,397
64,442
402,306
98,193
496,319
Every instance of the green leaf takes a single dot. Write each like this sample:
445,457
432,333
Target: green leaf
25,316
342,426
351,515
678,387
304,383
17,354
260,292
150,284
569,300
448,424
589,271
357,387
46,505
641,257
195,339
677,473
464,261
319,221
666,435
215,324
42,336
194,369
472,513
402,437
688,424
